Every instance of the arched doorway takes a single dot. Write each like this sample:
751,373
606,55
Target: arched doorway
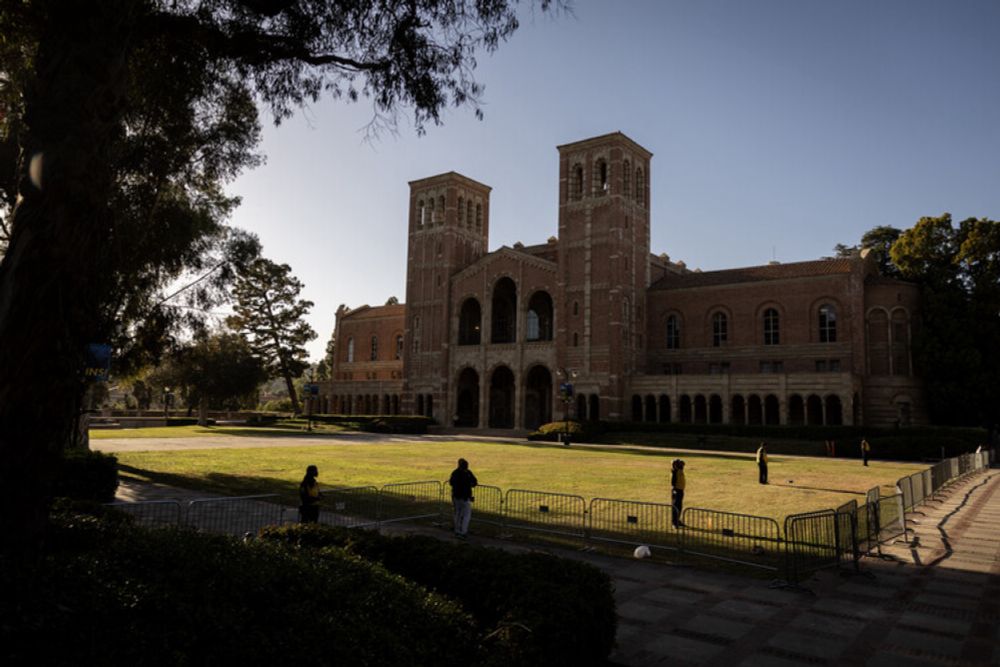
834,411
814,410
469,323
771,410
502,398
537,397
685,409
594,413
581,407
539,322
796,410
636,408
700,410
664,409
714,409
650,408
738,411
755,411
467,408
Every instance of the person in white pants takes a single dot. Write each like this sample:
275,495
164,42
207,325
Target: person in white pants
462,481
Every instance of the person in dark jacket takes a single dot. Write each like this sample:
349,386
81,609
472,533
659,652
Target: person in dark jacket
866,450
677,485
462,481
309,496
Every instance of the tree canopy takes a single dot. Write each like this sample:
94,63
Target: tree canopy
128,117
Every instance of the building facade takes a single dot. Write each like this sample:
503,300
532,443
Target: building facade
486,339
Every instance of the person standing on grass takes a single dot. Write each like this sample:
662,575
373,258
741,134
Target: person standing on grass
462,481
309,496
762,462
865,450
677,485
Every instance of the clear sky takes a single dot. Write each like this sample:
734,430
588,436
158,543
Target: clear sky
778,127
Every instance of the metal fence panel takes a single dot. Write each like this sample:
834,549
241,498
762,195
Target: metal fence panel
234,516
905,488
410,501
487,507
847,530
355,507
555,513
811,543
632,523
737,538
891,516
151,513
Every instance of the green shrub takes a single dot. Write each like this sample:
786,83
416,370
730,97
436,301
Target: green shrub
277,405
110,593
554,431
399,424
87,475
531,609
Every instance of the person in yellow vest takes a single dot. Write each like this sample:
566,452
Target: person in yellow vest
677,486
309,496
762,462
865,450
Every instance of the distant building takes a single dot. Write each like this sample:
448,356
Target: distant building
486,339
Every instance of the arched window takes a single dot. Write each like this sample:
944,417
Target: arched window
431,215
399,347
469,323
504,313
673,333
627,322
900,342
374,354
461,211
720,329
601,175
576,307
468,214
827,324
626,177
771,327
640,186
539,317
350,350
440,210
576,340
576,187
479,217
421,214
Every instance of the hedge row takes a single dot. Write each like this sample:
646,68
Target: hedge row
87,475
109,593
530,609
379,423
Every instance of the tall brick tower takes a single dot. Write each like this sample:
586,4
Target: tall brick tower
603,264
448,230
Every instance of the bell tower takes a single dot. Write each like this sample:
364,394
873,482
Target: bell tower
603,263
448,227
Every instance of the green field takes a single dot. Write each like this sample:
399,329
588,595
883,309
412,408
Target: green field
719,481
289,428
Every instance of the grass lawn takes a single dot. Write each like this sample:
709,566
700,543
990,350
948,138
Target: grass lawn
725,482
280,429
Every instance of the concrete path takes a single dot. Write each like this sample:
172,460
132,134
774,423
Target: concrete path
931,603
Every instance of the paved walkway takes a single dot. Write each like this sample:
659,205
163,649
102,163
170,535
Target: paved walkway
930,603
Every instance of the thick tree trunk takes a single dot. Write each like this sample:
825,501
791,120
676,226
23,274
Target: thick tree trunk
202,412
290,385
54,279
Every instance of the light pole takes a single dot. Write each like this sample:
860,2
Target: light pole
166,405
566,395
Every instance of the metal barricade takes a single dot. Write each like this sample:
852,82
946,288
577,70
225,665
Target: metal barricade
538,511
891,515
234,516
354,507
151,513
847,531
487,508
409,501
736,538
866,528
811,543
904,487
631,523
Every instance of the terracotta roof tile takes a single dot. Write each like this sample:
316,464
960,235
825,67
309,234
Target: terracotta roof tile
752,274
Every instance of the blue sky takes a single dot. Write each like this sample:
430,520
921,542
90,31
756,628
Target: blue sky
778,127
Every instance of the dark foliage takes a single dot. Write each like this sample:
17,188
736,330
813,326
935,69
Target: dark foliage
531,609
86,475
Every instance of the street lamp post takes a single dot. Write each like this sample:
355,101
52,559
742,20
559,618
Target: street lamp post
566,395
166,406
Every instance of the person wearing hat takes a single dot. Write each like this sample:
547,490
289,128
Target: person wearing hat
677,485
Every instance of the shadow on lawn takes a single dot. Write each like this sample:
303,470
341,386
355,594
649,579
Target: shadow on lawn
218,483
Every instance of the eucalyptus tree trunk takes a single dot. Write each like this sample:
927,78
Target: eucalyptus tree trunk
56,274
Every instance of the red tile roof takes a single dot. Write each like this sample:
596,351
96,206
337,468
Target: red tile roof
752,274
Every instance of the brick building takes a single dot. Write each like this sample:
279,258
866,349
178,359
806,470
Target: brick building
486,338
